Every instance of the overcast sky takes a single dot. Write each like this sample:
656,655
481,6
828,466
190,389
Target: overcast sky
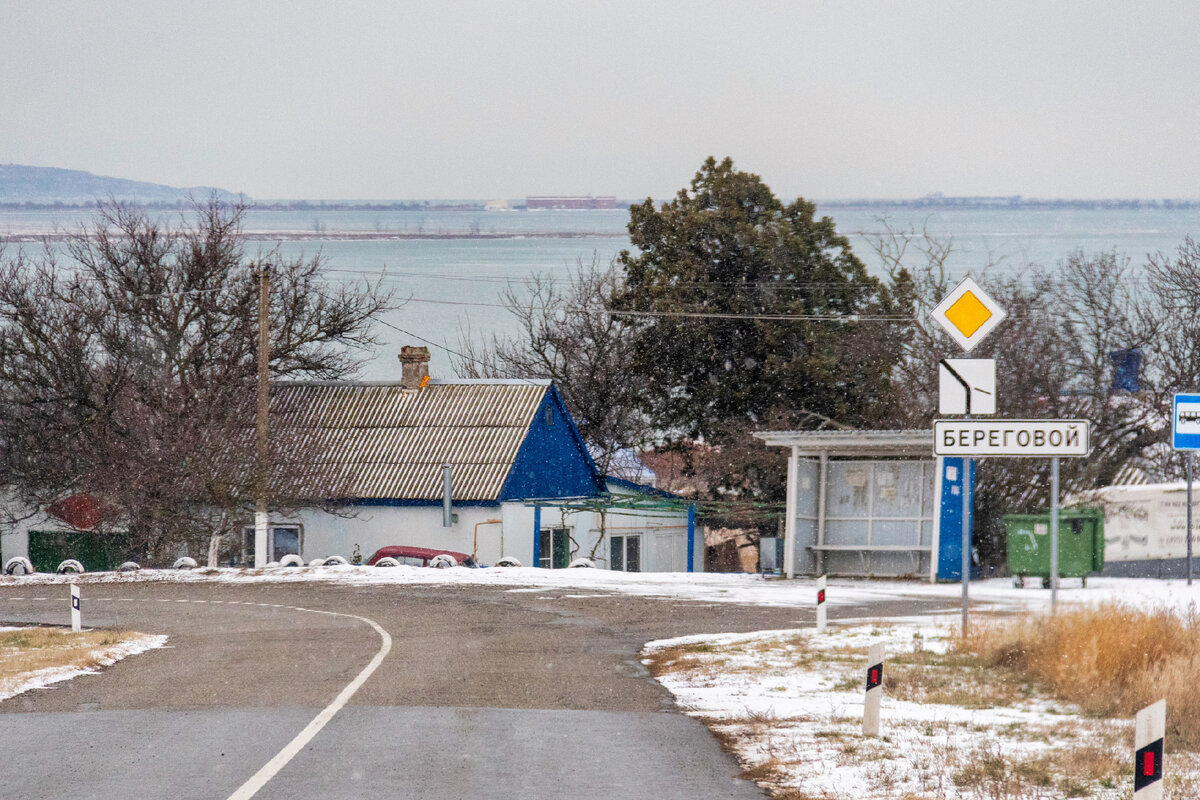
345,100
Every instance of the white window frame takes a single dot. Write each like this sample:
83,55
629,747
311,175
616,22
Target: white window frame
624,544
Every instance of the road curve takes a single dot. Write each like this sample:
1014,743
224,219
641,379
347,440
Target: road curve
486,692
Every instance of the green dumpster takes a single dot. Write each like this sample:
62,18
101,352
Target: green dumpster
1080,544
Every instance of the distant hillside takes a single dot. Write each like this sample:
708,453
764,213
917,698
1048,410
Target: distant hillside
49,185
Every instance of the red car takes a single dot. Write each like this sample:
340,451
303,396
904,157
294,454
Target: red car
418,556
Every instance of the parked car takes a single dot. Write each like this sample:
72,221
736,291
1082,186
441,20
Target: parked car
419,556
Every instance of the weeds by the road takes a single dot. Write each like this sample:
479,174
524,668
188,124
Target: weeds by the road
982,719
1109,660
28,652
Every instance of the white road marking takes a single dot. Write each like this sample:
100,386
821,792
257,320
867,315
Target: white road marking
289,751
272,767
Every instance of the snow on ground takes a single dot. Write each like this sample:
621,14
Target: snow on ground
789,704
102,656
998,593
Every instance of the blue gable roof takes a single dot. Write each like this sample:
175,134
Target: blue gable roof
553,460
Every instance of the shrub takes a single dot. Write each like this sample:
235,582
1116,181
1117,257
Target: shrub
1110,660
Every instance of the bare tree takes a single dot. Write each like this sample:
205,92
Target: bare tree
1054,360
127,372
568,335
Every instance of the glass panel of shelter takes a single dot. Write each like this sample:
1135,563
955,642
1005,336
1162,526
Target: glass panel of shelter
871,503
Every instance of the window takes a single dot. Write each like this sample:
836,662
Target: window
548,415
626,553
282,540
554,548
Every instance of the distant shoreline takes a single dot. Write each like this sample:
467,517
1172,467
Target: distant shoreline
28,237
931,202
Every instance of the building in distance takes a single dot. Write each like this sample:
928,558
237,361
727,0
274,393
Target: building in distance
572,203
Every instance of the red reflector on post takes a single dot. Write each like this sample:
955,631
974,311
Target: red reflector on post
1148,764
821,596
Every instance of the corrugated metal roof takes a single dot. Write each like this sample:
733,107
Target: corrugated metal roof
390,443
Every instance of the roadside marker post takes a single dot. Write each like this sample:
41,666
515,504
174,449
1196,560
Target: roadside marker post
1149,730
821,581
874,693
75,611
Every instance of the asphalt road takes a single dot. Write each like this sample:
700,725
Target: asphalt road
485,693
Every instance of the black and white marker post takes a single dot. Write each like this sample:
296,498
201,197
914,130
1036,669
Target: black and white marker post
75,611
874,693
821,604
1148,752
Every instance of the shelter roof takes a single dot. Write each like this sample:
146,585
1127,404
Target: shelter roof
853,443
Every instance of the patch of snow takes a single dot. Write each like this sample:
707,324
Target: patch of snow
779,701
745,589
104,656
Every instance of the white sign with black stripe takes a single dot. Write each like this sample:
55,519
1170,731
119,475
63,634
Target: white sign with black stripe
75,610
874,693
1148,735
821,604
967,386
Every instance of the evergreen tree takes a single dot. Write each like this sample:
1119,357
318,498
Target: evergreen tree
750,309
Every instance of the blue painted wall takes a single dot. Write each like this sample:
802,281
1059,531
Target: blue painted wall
552,461
950,512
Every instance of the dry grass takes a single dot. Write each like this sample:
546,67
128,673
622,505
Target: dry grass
995,774
958,678
30,650
1110,660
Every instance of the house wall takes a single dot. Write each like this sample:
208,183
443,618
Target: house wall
14,539
370,527
663,536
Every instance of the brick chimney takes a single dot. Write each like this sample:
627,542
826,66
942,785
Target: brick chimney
414,366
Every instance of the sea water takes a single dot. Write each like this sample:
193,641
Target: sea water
447,279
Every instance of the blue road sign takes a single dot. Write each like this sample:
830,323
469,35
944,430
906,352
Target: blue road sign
1185,422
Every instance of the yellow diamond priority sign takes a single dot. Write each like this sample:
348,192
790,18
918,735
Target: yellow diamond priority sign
968,314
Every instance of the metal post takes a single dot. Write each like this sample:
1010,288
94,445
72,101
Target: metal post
691,538
822,489
447,495
966,539
1187,471
789,527
537,537
264,353
1053,534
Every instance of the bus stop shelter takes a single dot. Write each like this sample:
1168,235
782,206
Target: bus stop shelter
860,502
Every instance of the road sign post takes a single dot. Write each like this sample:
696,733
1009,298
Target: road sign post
968,314
1187,471
1185,435
1054,534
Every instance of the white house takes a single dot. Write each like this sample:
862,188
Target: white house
522,482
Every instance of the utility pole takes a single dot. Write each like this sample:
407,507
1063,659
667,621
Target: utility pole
263,451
